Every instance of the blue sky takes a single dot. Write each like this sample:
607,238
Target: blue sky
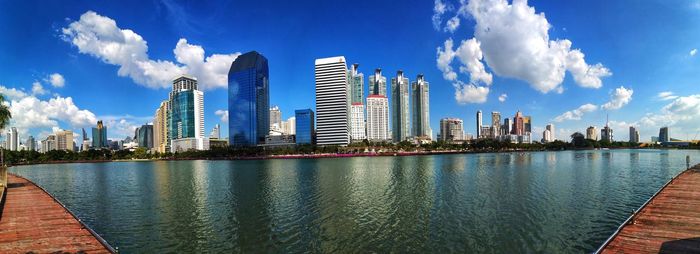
632,60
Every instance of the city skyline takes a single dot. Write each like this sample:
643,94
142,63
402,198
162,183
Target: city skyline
98,86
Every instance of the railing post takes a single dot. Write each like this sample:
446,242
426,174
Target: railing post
687,162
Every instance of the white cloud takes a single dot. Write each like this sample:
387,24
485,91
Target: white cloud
452,24
12,93
693,52
576,114
99,36
619,98
665,96
223,114
38,89
439,9
515,43
31,112
502,97
469,93
57,80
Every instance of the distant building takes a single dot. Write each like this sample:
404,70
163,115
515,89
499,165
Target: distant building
400,125
663,134
506,128
548,134
495,124
64,140
289,127
12,141
332,103
421,108
186,119
479,119
606,134
31,143
634,135
358,127
518,124
217,143
592,133
249,100
305,126
145,137
275,118
357,84
451,130
99,136
377,118
377,83
215,132
161,138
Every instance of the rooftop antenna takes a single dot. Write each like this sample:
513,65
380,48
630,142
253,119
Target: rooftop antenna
607,119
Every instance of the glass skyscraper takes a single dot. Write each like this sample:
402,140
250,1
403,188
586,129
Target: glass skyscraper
421,108
305,126
400,128
248,100
186,116
99,136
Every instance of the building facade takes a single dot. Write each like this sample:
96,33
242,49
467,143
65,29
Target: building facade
64,140
99,136
248,100
451,130
186,120
634,135
161,138
358,130
496,124
400,122
377,83
420,91
305,126
377,118
145,137
663,134
606,134
518,124
332,104
275,118
548,134
592,133
479,120
12,141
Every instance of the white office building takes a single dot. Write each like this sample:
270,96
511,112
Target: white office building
357,122
377,118
332,101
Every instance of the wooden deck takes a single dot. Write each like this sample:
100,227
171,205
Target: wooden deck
668,223
31,220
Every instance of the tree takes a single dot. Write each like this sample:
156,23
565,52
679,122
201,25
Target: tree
5,116
578,140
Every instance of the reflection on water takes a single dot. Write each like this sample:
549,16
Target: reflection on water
551,202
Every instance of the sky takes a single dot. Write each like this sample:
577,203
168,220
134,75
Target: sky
67,64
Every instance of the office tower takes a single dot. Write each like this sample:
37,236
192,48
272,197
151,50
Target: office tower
358,126
186,118
161,138
479,119
85,136
377,118
331,101
64,140
356,83
48,144
275,119
495,124
451,129
421,108
518,124
634,135
215,132
288,127
606,134
592,133
507,126
136,134
663,134
527,124
248,100
377,83
145,137
99,136
304,126
12,141
31,143
400,128
548,134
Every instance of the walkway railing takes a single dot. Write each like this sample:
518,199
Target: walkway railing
3,181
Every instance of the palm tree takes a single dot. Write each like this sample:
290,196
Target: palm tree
5,116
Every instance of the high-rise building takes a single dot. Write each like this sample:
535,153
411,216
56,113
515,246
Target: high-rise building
377,118
451,129
48,144
496,124
592,133
64,140
358,128
161,138
145,137
288,126
357,84
634,135
606,134
377,83
527,124
548,134
215,132
248,100
331,101
31,143
304,126
99,136
400,124
85,136
479,119
12,141
506,127
186,120
663,134
275,118
421,108
518,124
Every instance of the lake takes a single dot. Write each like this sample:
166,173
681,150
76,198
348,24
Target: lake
552,202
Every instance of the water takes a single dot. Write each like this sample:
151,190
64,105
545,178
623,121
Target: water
550,202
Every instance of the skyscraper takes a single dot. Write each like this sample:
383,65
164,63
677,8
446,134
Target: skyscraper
64,140
377,83
377,118
479,119
331,101
400,128
161,138
31,143
634,135
85,136
12,142
356,83
496,124
186,120
506,127
592,133
215,132
145,137
421,108
451,129
357,126
606,134
249,100
548,134
518,124
305,126
663,134
99,136
275,118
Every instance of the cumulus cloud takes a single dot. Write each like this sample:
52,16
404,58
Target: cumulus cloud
12,93
502,97
438,10
576,114
223,114
469,55
30,112
469,93
38,89
693,52
619,98
514,40
100,37
665,96
56,80
452,24
680,116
